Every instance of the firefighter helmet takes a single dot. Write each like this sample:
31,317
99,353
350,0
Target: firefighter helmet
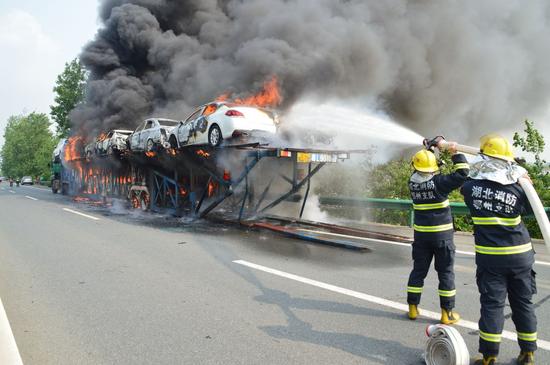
496,146
425,161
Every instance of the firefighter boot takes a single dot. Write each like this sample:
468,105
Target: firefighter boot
448,316
526,358
486,360
413,311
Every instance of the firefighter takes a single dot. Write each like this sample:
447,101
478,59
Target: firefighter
504,254
433,229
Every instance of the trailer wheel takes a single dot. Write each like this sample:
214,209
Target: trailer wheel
135,201
214,135
150,145
144,202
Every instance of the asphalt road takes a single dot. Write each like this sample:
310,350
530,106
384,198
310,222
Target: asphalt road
118,287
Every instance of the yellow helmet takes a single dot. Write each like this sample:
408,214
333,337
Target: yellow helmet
425,161
496,146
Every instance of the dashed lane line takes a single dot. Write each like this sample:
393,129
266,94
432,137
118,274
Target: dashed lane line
9,353
81,214
30,197
542,344
468,253
11,191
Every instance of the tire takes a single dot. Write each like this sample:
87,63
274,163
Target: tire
173,142
149,146
214,136
144,202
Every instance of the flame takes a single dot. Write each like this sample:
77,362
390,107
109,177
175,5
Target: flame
71,151
212,186
150,154
203,153
102,137
223,97
182,191
269,96
172,151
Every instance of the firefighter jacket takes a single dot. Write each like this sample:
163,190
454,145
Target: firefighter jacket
501,238
429,193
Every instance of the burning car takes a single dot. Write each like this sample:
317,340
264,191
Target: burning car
114,141
212,123
151,134
90,149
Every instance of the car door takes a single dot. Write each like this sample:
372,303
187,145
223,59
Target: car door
186,130
135,138
145,133
106,142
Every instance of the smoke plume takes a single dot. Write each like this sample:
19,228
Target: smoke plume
459,67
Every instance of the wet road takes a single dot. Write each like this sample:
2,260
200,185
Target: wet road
85,285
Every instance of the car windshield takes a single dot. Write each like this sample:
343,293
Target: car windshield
169,123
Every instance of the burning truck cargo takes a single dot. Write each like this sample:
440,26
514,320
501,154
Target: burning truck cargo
196,179
225,155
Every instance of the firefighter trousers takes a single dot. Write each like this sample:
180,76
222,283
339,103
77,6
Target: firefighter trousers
422,253
494,284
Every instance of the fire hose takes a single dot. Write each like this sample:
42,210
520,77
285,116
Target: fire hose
445,346
532,196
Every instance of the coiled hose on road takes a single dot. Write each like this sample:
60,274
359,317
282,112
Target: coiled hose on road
445,346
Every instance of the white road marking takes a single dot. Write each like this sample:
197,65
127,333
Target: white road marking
32,187
542,344
9,353
11,191
467,253
30,197
81,214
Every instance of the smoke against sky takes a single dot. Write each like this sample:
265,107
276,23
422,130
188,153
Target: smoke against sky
462,67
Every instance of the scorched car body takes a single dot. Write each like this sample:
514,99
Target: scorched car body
115,141
214,122
151,134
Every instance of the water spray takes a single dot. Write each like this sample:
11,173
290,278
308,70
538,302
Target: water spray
532,196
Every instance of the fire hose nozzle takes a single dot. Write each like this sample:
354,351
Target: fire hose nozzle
431,143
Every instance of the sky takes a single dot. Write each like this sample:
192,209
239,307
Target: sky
37,38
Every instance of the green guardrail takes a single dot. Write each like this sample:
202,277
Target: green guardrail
392,204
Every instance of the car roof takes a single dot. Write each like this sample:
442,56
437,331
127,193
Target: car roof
121,131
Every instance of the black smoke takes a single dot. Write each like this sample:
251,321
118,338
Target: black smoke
461,67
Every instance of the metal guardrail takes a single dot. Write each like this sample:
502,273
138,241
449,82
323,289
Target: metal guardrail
391,204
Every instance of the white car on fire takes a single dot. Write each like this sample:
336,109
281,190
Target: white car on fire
114,141
152,134
212,123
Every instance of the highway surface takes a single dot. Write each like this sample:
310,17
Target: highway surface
91,285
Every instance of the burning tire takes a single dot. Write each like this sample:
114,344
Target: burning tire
139,198
144,204
214,136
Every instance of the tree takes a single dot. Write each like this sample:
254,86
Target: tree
69,91
28,146
533,143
